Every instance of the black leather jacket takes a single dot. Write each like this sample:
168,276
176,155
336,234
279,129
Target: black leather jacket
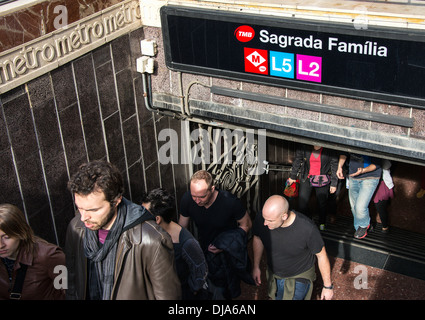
301,164
228,268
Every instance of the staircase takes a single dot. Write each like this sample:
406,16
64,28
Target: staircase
399,251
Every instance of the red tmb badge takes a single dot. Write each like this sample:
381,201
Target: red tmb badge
244,33
256,60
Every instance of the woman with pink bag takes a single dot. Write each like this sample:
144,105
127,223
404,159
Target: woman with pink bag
317,168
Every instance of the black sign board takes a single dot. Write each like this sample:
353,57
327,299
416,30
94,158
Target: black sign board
379,64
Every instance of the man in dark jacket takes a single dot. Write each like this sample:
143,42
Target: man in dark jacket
114,249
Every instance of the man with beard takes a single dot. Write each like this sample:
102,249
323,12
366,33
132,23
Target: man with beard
113,245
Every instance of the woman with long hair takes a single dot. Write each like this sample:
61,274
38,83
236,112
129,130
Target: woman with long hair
27,263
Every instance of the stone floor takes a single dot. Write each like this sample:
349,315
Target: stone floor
346,276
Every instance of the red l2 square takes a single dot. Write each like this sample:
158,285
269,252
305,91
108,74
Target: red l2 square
256,60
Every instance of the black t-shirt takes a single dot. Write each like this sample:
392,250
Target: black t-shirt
290,250
221,216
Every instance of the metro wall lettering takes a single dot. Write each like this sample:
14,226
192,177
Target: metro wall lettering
26,62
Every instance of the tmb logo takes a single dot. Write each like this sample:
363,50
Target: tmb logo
244,33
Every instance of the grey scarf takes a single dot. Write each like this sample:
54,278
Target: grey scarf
103,256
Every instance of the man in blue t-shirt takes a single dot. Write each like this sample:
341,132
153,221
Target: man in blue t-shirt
364,173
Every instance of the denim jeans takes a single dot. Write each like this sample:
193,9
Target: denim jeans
301,289
360,193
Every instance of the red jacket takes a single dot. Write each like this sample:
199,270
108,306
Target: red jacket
40,276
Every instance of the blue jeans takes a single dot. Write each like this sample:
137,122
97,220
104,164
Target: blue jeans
301,289
360,193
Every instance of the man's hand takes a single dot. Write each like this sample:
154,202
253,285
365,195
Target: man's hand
212,248
358,172
290,181
339,173
327,294
256,275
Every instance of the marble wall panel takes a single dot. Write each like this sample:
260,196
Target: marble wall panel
9,180
20,125
125,94
131,139
42,18
107,97
91,108
63,86
114,140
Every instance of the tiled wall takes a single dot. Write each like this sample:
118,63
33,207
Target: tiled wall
31,22
91,108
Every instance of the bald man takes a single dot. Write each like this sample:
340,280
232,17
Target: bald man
292,243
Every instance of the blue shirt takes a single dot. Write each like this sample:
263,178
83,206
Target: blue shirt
362,161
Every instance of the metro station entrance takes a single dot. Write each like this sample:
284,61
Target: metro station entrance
257,74
240,70
401,250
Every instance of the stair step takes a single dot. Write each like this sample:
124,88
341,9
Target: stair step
399,250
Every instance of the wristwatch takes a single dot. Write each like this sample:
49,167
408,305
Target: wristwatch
330,287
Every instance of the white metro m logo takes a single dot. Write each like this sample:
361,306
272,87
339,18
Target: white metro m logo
255,58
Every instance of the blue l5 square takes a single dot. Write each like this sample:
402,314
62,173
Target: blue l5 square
282,64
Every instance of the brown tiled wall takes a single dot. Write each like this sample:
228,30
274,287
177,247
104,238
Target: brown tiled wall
91,108
32,22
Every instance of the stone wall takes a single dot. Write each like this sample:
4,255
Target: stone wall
30,22
91,108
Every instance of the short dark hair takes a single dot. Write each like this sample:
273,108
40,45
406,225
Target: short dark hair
96,176
162,204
